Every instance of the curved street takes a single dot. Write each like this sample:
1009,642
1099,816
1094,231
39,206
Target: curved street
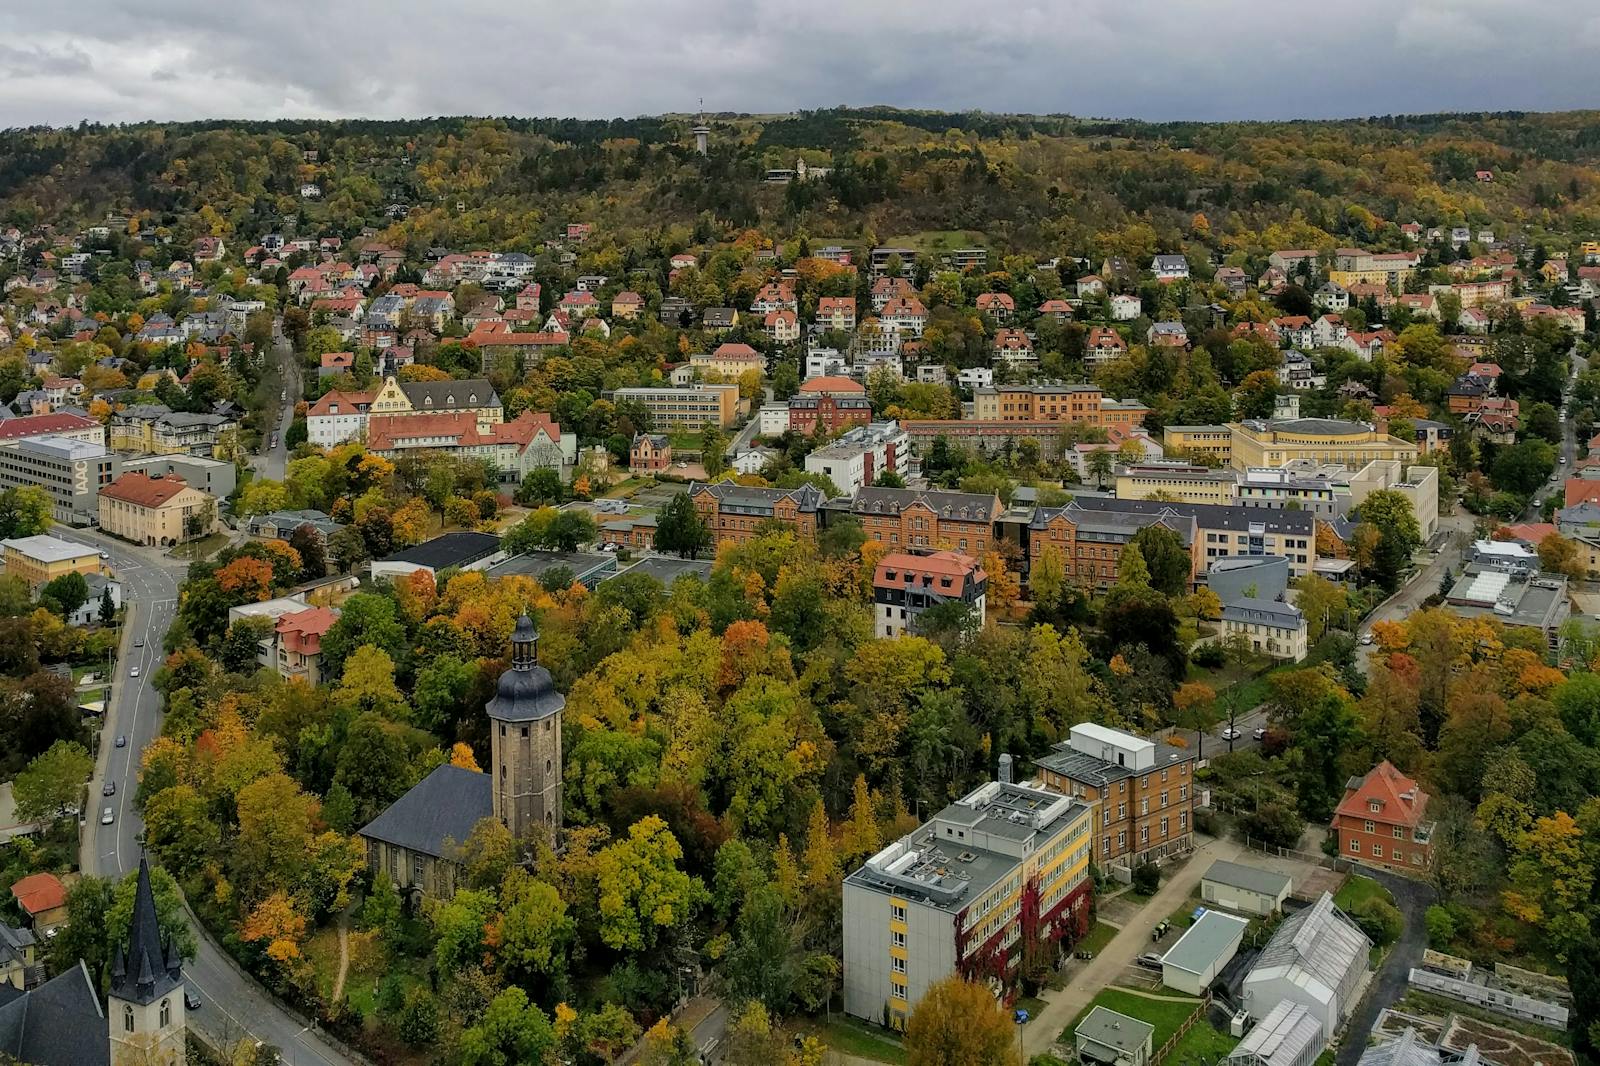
234,1006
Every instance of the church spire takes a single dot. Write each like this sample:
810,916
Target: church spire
145,970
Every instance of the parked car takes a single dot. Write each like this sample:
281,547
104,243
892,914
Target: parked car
190,1000
138,642
107,817
1260,732
1149,960
108,789
1366,638
135,671
105,555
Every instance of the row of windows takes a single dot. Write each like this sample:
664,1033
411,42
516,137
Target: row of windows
1395,853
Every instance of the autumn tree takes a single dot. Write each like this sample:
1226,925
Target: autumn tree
52,783
959,1023
1558,555
642,891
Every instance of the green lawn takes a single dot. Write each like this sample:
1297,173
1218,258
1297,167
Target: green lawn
1358,890
1201,1044
202,548
1165,1014
940,240
855,1038
1096,939
686,439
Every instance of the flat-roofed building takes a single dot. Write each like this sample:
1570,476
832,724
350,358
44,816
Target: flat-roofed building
690,407
214,477
72,471
949,896
1107,1038
1275,442
1143,790
1191,441
1055,402
41,559
1208,945
1174,479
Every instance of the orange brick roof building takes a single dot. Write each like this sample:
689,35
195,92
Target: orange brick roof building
1381,821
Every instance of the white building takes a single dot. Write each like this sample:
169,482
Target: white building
1288,1036
772,419
1315,958
975,377
1202,951
860,455
1244,889
1125,308
1273,628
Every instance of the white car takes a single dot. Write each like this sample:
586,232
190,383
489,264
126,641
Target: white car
1230,733
135,671
1366,638
106,817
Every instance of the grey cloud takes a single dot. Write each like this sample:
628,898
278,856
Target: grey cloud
1158,59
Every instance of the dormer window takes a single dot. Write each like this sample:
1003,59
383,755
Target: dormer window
1374,805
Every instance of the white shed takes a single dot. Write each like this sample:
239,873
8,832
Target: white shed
1202,951
1244,889
1315,958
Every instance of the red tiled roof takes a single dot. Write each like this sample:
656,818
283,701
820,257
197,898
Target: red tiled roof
338,359
1391,789
833,385
735,350
354,400
304,629
32,425
41,892
1532,532
1582,490
142,490
940,564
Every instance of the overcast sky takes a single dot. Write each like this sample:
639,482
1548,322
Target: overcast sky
112,61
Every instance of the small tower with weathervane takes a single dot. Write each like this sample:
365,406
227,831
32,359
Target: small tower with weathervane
145,1008
525,740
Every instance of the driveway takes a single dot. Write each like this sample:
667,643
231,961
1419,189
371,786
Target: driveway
1390,982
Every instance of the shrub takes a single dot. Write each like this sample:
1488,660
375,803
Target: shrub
1207,822
1209,656
1379,920
1274,823
1146,878
1441,927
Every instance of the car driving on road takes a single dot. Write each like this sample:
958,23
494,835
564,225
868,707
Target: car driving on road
108,789
135,671
107,817
1230,733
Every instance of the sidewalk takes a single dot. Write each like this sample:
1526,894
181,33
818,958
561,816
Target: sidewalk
1063,1006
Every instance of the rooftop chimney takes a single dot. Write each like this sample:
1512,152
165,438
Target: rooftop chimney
1005,768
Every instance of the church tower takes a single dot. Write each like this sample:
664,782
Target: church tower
145,1008
525,739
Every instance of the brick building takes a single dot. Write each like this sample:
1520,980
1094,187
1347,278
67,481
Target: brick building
735,513
918,520
1144,790
1382,821
1091,542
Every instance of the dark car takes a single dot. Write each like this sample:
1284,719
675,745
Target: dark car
190,1000
109,789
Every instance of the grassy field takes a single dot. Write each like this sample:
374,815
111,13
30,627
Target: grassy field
1358,890
934,241
1202,1043
1097,938
202,548
854,1038
1165,1014
689,440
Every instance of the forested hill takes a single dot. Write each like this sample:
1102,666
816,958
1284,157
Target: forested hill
1027,183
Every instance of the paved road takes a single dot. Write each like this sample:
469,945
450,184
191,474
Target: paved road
272,462
234,1006
1390,982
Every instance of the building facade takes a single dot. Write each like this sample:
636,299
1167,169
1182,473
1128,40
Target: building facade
735,513
41,559
1382,821
920,520
1046,402
156,510
691,407
525,741
999,875
1275,442
905,585
1143,792
71,471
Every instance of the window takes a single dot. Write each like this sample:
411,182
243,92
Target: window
1144,835
897,939
1144,806
1369,826
524,732
1122,839
1416,858
1163,827
897,991
1122,811
1399,832
166,1013
1374,806
1355,847
897,964
897,913
1377,851
127,1019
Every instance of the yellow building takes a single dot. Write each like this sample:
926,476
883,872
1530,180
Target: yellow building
41,559
1198,440
1002,868
155,429
1352,266
729,361
158,510
1272,443
690,407
455,396
1174,480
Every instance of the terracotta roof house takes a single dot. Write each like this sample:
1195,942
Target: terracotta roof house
43,898
1382,820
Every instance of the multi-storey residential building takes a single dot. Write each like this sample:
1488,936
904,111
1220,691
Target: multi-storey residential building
837,313
729,361
925,521
156,510
999,874
1275,442
1174,479
475,396
1230,530
690,407
337,416
905,585
1143,792
56,424
296,643
1272,627
1198,440
155,429
41,559
71,471
514,449
860,455
649,452
1090,542
832,410
1054,402
1353,266
1301,485
734,512
1104,345
1382,821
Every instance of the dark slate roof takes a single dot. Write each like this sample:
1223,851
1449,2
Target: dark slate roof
1213,515
526,692
968,506
448,549
450,395
57,1024
444,806
746,499
149,968
1114,525
1079,766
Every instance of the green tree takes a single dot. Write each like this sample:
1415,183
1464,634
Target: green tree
1100,464
1168,561
108,609
534,928
511,1031
68,592
52,783
960,1023
241,645
178,827
642,891
365,618
680,529
1390,513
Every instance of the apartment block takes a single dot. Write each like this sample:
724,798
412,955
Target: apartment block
1001,871
1142,791
1174,480
905,585
1055,402
1191,441
41,559
72,471
690,407
1090,541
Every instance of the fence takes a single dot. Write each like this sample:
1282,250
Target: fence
1189,1023
1495,999
1317,858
